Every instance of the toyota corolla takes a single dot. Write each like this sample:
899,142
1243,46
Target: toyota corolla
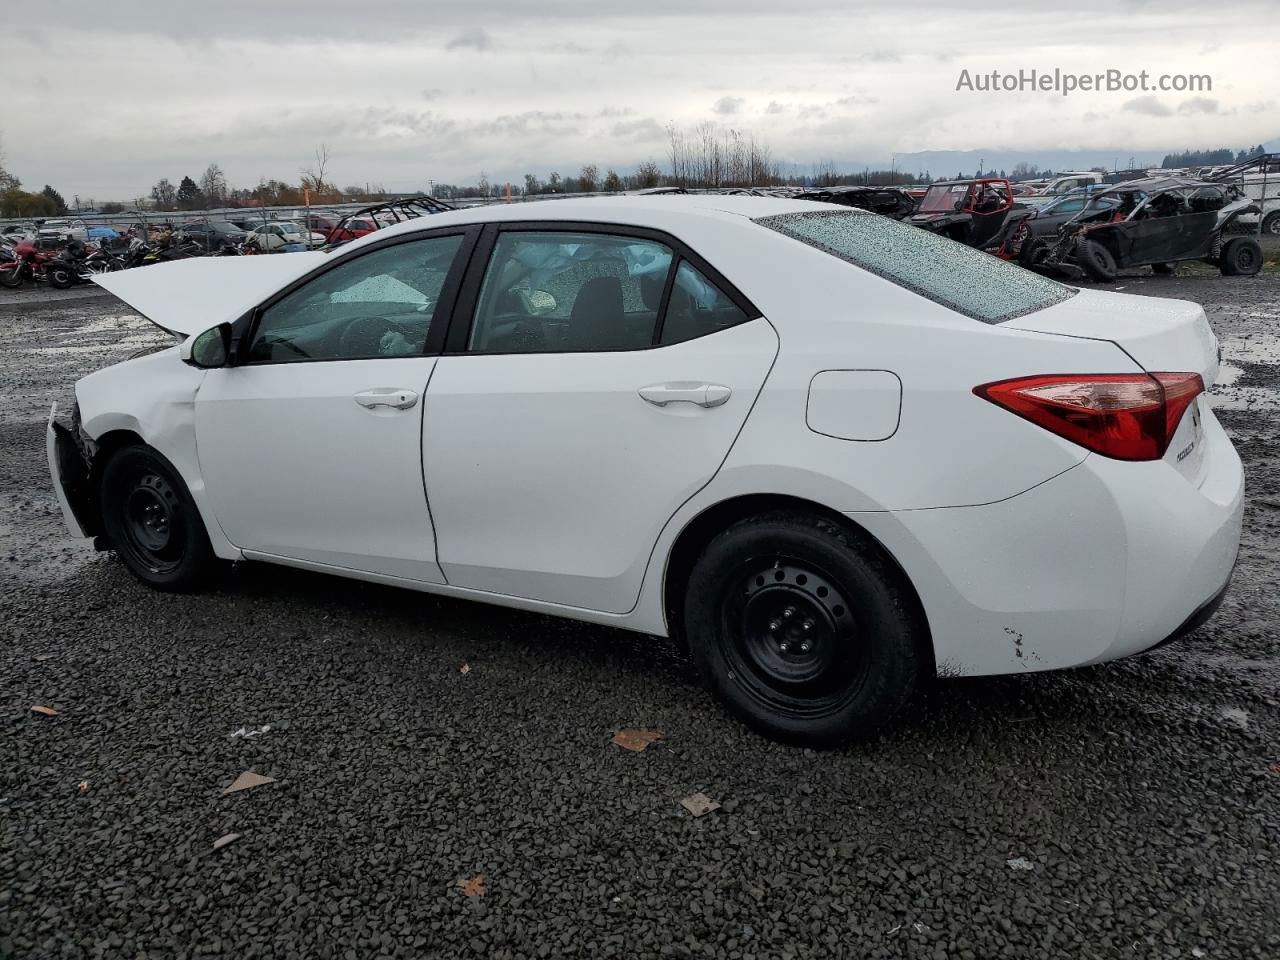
833,453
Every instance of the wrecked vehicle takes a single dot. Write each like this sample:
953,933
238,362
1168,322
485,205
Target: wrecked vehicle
1156,222
979,213
891,202
659,414
366,220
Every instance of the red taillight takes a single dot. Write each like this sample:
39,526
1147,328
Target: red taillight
1128,416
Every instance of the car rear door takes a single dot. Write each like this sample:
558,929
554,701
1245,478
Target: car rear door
310,446
595,378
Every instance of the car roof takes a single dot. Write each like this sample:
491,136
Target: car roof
654,211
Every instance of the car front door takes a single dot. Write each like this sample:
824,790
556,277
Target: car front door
601,381
310,445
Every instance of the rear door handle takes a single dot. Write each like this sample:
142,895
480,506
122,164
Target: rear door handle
395,397
686,391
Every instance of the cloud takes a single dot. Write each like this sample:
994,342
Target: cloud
1198,105
855,100
473,38
569,46
1148,105
727,105
646,128
775,107
432,93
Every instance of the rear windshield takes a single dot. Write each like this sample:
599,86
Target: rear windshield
966,280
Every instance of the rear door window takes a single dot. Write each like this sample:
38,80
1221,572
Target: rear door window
961,278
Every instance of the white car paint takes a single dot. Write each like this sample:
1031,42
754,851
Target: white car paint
543,481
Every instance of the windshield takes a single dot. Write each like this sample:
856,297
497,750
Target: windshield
943,198
961,278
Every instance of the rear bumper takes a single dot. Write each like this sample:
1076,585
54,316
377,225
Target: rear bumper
1105,560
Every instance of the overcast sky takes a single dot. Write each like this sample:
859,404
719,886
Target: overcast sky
102,99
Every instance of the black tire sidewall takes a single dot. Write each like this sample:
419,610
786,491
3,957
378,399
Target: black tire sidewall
60,277
117,476
879,602
1096,261
1231,266
1270,221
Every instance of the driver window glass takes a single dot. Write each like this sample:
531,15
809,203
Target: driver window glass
377,305
559,292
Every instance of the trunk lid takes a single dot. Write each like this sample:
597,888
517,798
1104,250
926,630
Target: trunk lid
1160,335
186,297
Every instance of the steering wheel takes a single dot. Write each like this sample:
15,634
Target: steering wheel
363,337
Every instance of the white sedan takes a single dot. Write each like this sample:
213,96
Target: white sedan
833,453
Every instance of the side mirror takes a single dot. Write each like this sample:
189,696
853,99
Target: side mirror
208,350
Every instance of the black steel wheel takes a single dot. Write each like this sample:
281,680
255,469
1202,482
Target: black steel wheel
1241,257
804,628
151,521
793,636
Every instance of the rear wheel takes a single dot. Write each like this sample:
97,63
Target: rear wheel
1241,257
1096,261
152,522
803,628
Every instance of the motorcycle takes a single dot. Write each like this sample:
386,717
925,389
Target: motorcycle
26,262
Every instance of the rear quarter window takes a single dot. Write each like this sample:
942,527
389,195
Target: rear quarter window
961,278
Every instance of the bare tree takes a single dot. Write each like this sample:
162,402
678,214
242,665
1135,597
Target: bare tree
213,184
612,182
587,177
315,178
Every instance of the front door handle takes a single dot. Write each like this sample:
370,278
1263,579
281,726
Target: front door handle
396,397
686,391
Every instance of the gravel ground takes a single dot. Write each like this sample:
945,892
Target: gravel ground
1120,811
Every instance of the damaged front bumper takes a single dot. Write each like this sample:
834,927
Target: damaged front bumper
70,475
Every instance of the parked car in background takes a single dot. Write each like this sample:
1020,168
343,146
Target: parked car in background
212,234
1061,186
659,413
887,201
350,229
1157,222
53,233
280,237
1042,225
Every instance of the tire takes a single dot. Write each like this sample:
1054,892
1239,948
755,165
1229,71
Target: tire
1271,223
1096,261
11,279
841,678
60,276
151,521
1241,257
1164,269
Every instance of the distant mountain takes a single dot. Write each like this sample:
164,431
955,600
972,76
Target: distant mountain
947,163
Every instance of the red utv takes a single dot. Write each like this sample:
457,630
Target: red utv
979,213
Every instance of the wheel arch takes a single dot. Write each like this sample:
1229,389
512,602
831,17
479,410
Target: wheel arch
699,531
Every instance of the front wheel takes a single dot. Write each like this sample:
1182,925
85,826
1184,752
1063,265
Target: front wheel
803,628
151,521
60,275
11,275
1096,261
1271,223
1241,257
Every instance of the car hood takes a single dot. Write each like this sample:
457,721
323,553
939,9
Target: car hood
190,296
